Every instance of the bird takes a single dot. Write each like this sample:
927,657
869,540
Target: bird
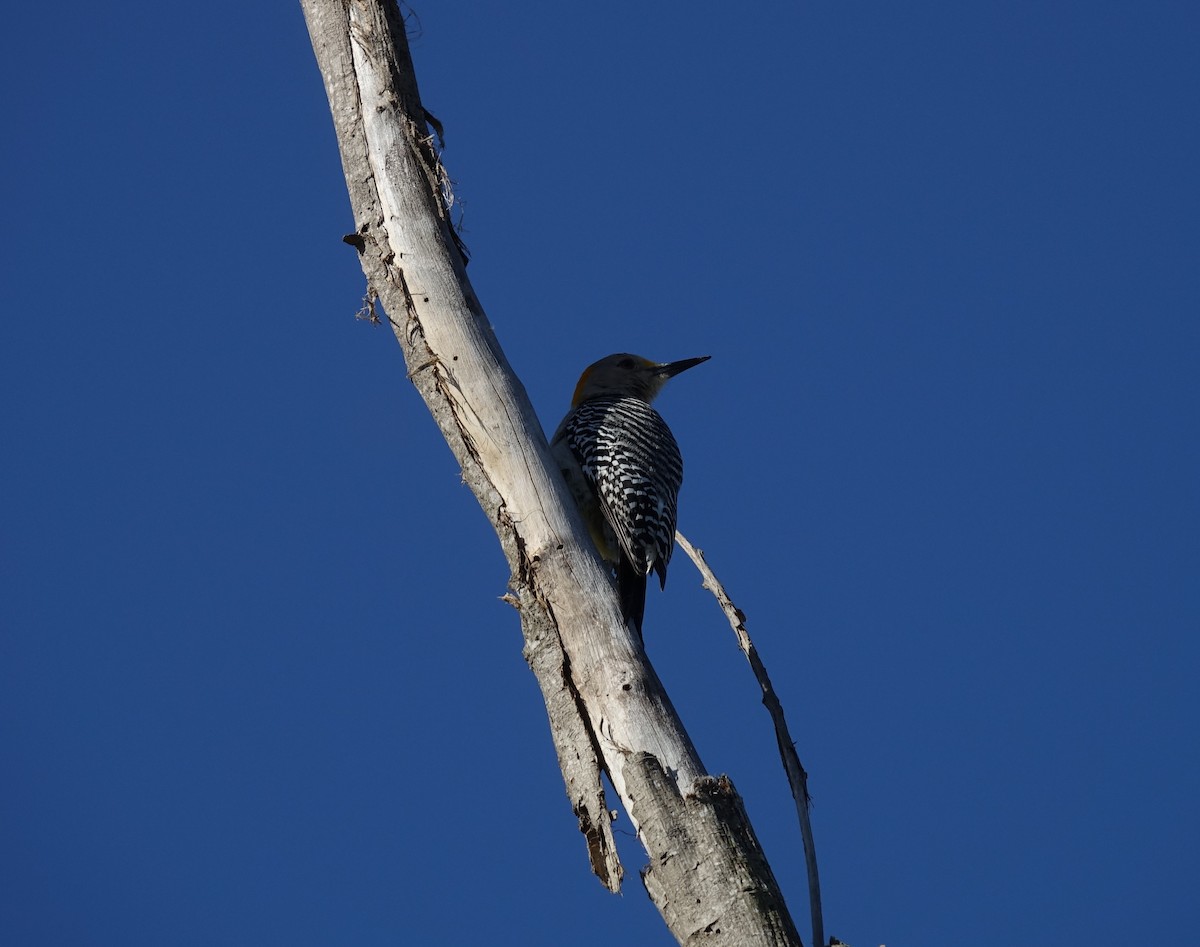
623,467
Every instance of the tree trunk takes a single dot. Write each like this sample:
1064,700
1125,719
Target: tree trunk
607,709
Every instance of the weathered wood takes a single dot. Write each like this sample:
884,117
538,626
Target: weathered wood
605,704
713,884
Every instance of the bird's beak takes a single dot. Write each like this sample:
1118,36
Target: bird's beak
671,369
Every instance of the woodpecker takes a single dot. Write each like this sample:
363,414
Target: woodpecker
624,469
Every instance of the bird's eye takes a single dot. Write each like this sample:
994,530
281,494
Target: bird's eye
625,363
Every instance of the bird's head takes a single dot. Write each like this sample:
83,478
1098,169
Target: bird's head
630,376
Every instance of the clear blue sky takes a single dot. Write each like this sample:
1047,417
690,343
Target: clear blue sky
256,682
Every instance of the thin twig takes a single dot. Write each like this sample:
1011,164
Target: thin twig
797,777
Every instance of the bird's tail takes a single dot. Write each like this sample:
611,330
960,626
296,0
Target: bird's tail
631,589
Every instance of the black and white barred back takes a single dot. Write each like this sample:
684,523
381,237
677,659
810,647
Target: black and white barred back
631,461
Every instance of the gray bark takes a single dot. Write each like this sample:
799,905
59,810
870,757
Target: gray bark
607,709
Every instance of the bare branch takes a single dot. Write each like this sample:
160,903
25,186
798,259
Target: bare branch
608,711
797,777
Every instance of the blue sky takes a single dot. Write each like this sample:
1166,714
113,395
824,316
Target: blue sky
256,683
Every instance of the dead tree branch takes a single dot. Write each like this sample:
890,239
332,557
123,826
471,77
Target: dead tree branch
608,711
797,777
